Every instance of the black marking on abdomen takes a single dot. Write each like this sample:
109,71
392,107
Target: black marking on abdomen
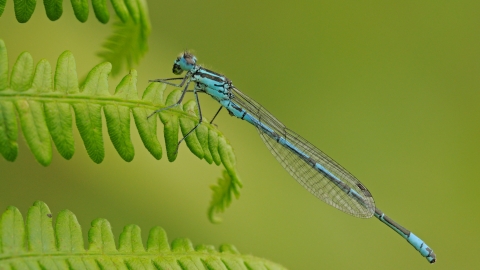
396,225
213,72
364,190
213,78
233,105
311,161
275,136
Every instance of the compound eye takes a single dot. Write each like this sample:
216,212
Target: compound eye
177,70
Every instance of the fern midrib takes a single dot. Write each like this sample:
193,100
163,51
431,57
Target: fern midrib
10,95
144,254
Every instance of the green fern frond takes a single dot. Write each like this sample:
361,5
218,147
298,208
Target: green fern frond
222,195
37,244
129,41
45,114
125,9
125,47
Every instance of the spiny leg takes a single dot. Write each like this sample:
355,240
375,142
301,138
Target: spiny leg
165,81
219,109
200,119
173,105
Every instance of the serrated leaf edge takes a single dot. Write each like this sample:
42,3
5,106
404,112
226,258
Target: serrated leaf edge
35,94
180,253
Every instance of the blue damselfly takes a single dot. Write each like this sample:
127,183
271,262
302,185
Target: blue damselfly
313,169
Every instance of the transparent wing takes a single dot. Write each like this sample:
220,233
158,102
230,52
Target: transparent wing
318,183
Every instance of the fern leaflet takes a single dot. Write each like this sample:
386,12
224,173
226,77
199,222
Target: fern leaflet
222,195
128,43
37,244
45,114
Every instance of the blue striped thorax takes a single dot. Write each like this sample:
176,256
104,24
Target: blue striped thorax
210,82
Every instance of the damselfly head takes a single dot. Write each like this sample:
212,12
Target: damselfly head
185,62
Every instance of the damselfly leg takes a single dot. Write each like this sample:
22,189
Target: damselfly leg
219,109
166,81
185,90
200,120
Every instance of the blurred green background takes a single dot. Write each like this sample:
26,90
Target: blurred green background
389,89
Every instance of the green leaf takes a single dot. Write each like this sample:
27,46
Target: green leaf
157,241
131,30
89,124
134,9
59,122
147,128
126,46
88,115
3,66
22,73
187,125
121,10
80,9
2,6
202,135
100,237
39,245
68,233
58,114
131,240
171,125
199,144
118,117
42,81
66,80
53,8
8,131
45,114
129,41
227,187
213,146
40,236
35,130
101,11
24,9
12,232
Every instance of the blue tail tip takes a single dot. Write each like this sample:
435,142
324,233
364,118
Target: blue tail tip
432,258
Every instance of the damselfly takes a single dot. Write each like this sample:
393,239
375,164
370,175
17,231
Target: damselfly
313,169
